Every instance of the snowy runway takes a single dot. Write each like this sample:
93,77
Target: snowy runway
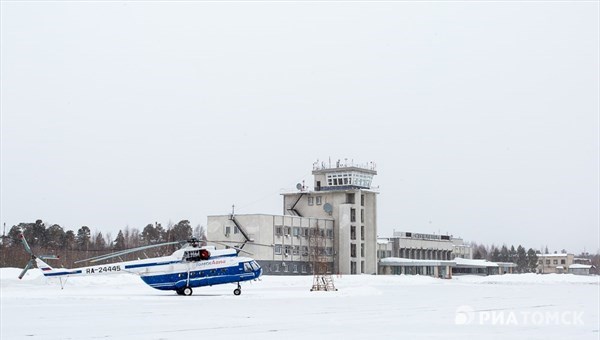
391,307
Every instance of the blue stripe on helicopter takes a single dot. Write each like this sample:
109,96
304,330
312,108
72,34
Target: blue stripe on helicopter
63,273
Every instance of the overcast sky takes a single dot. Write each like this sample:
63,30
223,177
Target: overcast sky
482,117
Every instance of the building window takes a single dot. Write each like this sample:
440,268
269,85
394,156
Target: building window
296,231
352,232
352,215
353,250
296,250
295,266
554,261
311,200
547,261
278,249
236,230
227,230
350,198
362,250
329,233
288,231
287,250
562,261
362,232
304,268
304,251
318,200
328,251
279,230
362,200
362,215
305,232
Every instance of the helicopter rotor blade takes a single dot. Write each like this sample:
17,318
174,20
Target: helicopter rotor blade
239,250
49,257
247,243
27,267
25,244
124,252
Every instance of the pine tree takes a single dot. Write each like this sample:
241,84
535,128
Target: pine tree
504,254
100,243
532,260
150,234
69,240
495,254
512,255
83,238
522,262
181,231
119,243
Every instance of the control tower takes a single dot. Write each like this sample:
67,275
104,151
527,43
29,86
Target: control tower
342,191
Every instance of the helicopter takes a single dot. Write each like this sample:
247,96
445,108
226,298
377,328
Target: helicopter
189,267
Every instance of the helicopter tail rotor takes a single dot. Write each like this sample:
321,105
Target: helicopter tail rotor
33,258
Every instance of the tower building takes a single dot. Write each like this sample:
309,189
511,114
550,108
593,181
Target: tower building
341,207
342,192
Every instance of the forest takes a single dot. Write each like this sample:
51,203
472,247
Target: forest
80,244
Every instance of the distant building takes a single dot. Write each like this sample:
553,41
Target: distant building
419,246
580,269
554,263
343,207
422,254
343,193
290,237
460,249
402,266
475,267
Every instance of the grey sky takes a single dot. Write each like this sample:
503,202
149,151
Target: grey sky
482,117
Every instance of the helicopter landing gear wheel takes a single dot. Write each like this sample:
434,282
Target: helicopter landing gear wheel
179,291
187,291
238,290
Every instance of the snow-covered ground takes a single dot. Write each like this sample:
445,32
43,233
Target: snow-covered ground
524,306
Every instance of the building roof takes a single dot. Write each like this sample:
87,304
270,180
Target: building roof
460,262
398,261
580,266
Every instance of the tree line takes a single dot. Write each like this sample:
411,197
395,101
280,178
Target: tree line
72,246
526,260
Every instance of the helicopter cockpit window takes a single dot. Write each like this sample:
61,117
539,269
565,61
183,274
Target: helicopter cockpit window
247,267
254,265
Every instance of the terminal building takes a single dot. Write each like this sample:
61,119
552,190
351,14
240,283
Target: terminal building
434,255
334,223
422,254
